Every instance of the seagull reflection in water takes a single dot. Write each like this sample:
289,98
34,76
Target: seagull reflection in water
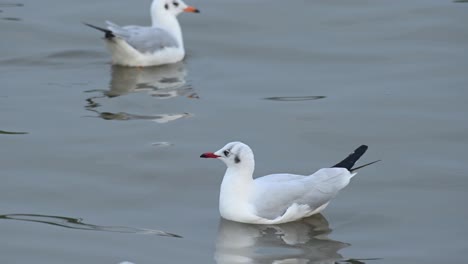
298,242
163,82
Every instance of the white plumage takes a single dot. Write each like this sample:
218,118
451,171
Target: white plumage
159,44
276,198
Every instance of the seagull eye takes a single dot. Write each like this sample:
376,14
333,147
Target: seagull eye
175,4
226,153
166,6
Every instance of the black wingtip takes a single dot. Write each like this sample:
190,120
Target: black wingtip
349,161
362,148
108,33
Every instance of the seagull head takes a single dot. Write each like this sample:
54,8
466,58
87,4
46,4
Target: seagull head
234,154
172,7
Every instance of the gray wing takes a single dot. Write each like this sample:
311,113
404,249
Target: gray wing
144,39
276,193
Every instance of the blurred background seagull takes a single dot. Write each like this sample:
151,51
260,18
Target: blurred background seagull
277,198
139,46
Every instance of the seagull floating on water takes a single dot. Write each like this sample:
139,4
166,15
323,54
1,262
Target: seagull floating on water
139,46
277,198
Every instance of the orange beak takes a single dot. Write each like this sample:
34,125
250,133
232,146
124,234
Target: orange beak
191,9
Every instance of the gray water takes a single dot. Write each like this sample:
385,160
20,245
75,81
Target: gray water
109,155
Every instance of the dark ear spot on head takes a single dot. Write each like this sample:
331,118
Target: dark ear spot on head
236,159
166,6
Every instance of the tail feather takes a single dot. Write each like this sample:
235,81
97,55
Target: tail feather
365,165
349,161
108,34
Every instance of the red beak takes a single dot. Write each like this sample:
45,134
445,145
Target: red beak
191,9
209,155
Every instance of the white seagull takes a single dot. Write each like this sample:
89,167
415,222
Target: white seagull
139,46
277,198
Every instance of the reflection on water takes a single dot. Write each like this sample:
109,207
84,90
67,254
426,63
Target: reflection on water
295,98
297,242
163,82
121,116
163,118
76,223
3,5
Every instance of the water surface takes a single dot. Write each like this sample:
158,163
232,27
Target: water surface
302,82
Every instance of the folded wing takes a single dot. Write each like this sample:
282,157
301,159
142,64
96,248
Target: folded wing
144,39
275,193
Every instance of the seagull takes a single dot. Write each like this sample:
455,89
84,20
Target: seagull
277,198
140,46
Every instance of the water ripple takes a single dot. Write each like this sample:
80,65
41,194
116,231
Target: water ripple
162,144
77,223
12,133
122,116
161,118
7,5
295,98
10,4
